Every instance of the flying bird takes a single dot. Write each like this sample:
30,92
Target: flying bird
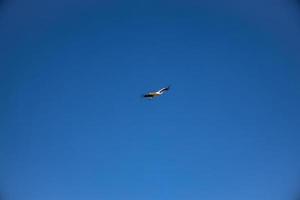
152,95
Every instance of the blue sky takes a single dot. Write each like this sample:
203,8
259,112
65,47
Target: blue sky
73,124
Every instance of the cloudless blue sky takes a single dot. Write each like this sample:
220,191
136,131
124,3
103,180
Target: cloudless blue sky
73,124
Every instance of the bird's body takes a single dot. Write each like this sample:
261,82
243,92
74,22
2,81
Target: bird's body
152,95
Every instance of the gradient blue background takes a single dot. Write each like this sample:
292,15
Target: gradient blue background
73,124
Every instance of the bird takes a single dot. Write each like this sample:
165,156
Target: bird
152,95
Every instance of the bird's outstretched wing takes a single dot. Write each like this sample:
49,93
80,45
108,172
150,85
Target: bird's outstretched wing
164,89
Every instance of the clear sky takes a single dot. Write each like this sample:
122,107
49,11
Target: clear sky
73,124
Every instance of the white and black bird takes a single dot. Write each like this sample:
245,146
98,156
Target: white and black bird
152,95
